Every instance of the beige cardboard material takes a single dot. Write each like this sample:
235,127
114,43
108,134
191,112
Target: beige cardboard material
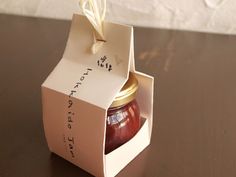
78,92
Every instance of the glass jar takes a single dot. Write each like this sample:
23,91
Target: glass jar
123,116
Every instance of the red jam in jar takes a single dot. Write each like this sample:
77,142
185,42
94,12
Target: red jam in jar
123,116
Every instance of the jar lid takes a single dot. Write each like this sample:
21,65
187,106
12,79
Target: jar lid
127,93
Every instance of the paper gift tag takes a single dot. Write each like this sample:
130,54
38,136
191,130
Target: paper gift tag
80,89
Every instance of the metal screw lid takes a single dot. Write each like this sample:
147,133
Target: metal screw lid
127,93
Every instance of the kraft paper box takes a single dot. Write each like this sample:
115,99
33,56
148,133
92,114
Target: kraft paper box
80,89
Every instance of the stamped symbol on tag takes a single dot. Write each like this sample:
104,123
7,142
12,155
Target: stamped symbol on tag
102,62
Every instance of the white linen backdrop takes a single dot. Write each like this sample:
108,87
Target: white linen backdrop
198,15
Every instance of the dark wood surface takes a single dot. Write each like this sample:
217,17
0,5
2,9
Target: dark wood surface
194,133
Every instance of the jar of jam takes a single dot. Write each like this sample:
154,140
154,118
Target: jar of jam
123,116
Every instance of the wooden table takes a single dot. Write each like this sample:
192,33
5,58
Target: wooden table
194,133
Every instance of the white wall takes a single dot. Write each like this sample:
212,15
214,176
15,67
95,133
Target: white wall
199,15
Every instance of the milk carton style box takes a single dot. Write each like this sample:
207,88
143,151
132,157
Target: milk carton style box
79,91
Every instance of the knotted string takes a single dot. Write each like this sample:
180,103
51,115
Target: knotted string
95,11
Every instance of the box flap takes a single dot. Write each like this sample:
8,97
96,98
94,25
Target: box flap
99,76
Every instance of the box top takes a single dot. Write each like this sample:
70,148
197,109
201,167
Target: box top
94,78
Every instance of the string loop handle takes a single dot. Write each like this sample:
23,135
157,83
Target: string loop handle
95,11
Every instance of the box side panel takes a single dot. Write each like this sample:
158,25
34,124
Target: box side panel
53,125
75,133
90,132
145,97
119,158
